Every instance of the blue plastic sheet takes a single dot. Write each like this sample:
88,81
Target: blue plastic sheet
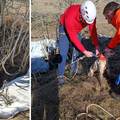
38,53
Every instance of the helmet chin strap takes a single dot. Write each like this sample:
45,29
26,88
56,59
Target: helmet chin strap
81,19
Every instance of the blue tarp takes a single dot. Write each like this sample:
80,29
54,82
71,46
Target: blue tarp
38,53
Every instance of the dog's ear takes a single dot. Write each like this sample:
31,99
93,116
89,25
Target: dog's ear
99,55
103,53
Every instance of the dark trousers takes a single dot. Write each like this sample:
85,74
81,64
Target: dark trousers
64,42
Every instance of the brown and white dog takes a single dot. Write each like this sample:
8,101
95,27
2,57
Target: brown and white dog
101,64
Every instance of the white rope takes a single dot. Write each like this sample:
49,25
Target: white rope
92,116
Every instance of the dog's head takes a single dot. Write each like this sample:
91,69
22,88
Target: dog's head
108,53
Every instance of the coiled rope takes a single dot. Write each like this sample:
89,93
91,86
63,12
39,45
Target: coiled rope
94,117
5,99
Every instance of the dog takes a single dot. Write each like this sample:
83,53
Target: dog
101,64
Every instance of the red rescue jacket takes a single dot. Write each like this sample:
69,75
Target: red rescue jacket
116,23
71,22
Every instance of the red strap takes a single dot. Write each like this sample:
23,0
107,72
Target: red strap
102,58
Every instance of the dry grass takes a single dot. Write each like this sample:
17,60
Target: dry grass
7,45
74,97
14,44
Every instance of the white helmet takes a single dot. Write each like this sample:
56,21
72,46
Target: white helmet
88,11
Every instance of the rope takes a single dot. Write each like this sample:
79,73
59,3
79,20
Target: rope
77,67
99,107
94,117
6,100
91,116
63,76
76,61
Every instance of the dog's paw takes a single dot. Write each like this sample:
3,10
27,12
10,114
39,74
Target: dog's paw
90,74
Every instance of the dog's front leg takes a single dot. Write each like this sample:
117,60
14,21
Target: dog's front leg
101,72
108,70
93,68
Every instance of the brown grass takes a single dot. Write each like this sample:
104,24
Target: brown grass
75,96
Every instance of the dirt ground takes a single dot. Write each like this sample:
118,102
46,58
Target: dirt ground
49,100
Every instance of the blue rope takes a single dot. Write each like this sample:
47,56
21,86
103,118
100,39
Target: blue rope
94,55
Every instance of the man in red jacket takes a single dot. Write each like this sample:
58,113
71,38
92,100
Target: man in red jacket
73,20
112,15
